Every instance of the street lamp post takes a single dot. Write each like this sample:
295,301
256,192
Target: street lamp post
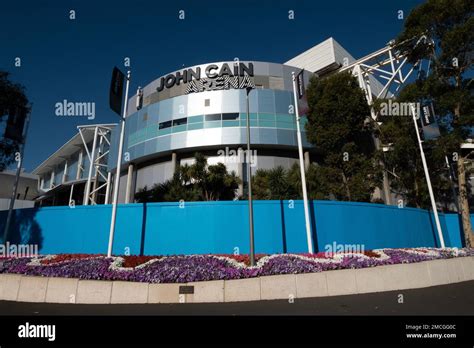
427,176
117,172
249,180
309,237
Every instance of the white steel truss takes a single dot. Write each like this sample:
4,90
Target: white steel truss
389,66
98,176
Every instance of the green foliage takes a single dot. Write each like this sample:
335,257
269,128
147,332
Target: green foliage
279,183
11,96
196,182
449,23
451,27
273,184
338,126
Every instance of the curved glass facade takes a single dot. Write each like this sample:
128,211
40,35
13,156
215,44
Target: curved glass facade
211,119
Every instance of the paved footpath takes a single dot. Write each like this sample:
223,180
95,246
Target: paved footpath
452,299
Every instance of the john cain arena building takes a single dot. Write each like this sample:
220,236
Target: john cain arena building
197,109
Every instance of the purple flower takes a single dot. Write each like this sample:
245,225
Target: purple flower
183,269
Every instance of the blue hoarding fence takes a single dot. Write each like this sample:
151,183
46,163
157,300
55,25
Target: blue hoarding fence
222,227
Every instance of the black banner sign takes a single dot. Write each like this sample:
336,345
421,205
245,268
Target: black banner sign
116,91
300,84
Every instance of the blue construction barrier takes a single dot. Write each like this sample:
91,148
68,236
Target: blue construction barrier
222,227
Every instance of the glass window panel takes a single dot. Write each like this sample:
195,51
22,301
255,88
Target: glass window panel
282,101
266,101
270,124
253,101
253,119
166,124
285,125
180,121
166,108
213,117
285,118
164,131
230,123
140,135
212,124
192,126
180,128
195,119
230,116
151,132
266,117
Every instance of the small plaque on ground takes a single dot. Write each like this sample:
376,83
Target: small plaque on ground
186,289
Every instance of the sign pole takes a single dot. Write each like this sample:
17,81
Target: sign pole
428,180
303,175
249,179
117,174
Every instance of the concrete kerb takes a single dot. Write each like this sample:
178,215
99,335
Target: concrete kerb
242,290
62,290
22,288
165,293
278,287
369,280
468,267
94,291
9,286
129,292
33,289
455,270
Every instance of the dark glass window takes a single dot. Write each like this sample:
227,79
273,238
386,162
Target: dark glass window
180,121
213,117
230,116
166,124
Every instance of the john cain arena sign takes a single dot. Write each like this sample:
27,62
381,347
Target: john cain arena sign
225,77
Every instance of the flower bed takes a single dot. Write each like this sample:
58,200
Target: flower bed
191,268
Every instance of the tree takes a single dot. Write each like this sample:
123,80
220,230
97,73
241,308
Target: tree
273,183
196,182
403,161
450,24
337,126
212,181
12,100
279,183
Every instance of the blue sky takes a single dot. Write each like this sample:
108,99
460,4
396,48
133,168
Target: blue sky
73,59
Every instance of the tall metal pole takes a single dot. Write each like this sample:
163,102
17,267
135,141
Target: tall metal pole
249,180
17,179
303,175
428,180
107,189
117,174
